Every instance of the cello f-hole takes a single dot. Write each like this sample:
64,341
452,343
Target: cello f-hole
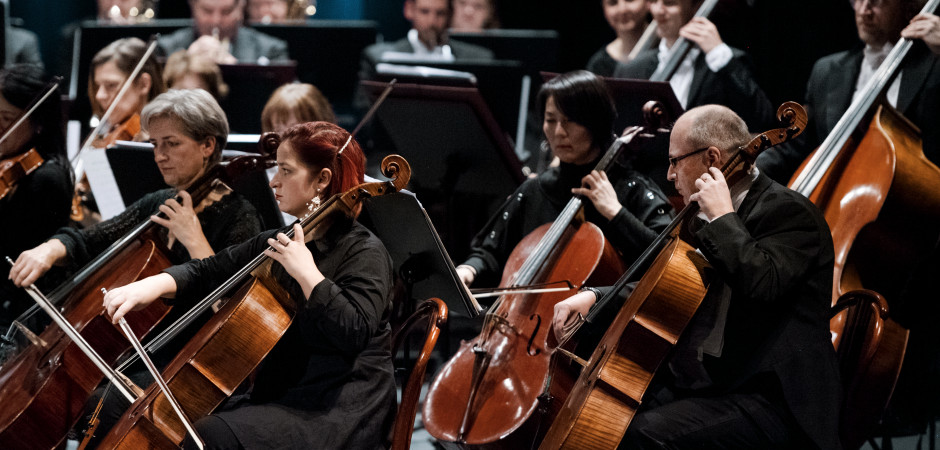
530,350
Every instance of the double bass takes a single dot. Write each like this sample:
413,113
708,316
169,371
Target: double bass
493,391
44,387
235,340
610,388
881,198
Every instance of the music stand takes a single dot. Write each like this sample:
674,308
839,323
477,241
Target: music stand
629,97
537,50
462,164
250,86
419,258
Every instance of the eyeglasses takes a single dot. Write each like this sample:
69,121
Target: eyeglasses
674,161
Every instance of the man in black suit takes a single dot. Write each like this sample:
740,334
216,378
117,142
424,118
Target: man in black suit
755,368
836,78
427,39
711,73
218,33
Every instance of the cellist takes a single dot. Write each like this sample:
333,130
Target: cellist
38,204
578,116
755,368
188,129
328,382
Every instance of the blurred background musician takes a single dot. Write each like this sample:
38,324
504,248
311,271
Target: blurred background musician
295,103
328,382
474,15
629,208
217,32
277,11
711,73
628,19
184,70
108,72
38,203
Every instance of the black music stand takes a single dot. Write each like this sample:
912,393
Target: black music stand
420,260
250,86
537,50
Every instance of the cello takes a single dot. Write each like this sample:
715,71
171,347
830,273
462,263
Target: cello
237,338
44,387
599,407
881,198
492,391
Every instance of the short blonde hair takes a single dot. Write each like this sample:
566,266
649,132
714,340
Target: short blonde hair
304,101
181,63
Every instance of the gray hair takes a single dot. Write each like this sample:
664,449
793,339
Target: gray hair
199,115
716,125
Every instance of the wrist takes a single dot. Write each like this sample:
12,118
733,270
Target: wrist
593,290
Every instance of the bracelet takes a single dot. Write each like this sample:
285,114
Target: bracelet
594,290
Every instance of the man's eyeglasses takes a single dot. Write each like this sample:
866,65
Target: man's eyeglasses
674,161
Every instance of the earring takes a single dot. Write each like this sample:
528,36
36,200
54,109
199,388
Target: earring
313,204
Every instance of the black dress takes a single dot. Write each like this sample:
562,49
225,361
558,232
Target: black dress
602,64
39,205
538,201
328,383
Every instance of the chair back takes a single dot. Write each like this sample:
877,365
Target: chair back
428,318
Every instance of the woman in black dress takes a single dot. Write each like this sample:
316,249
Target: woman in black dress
328,382
39,203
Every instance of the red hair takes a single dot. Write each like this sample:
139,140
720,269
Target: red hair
317,145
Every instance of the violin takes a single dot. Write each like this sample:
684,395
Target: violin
16,168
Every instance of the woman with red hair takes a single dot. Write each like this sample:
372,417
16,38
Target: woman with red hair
328,382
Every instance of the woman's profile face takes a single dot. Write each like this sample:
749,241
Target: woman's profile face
570,141
108,80
180,158
295,185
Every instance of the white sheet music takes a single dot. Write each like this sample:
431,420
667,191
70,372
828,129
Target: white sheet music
103,185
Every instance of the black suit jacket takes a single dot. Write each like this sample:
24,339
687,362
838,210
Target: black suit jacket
776,256
732,86
829,94
248,47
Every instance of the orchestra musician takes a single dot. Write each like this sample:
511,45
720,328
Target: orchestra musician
188,130
835,79
711,72
328,382
38,203
578,116
755,368
628,19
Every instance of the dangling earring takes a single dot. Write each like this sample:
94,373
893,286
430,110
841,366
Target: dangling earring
314,203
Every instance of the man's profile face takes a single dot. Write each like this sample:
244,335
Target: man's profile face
879,21
222,15
430,18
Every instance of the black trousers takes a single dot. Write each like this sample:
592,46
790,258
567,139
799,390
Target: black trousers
749,419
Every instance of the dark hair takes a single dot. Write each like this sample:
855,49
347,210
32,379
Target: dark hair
584,99
126,54
317,144
20,84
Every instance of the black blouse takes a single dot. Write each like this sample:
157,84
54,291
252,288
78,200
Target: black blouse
39,205
328,383
538,201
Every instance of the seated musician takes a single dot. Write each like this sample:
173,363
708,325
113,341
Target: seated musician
755,368
835,80
188,71
712,72
217,33
328,382
188,130
628,207
38,203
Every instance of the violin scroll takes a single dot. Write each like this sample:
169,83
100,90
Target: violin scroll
792,116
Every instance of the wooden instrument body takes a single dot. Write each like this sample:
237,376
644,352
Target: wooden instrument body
44,387
516,375
609,390
15,168
252,322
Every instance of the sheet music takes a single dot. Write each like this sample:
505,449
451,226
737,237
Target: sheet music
103,185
